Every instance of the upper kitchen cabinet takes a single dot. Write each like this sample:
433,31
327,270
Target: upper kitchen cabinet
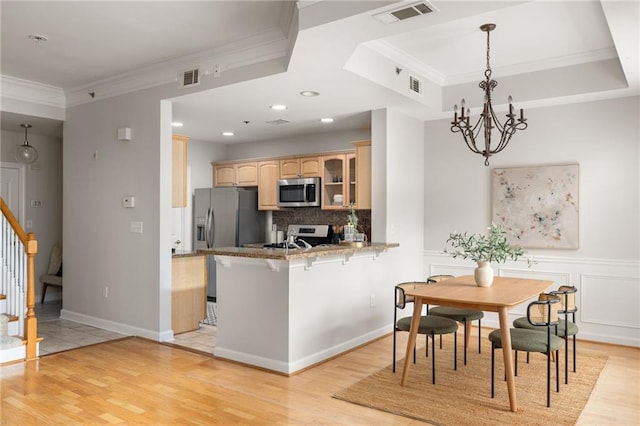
301,167
179,171
363,174
346,178
268,172
338,181
235,174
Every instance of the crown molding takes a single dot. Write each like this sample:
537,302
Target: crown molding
267,46
409,62
526,67
33,92
406,61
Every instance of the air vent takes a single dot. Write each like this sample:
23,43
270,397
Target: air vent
189,78
278,122
406,12
415,85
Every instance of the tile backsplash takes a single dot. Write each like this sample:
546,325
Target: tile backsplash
316,216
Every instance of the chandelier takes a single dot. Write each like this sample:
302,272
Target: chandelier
25,153
487,120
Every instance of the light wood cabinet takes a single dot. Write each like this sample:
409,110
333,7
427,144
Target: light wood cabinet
363,175
188,292
247,174
338,174
300,167
344,173
179,171
224,175
235,174
268,172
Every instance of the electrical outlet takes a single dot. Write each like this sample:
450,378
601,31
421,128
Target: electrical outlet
372,301
105,292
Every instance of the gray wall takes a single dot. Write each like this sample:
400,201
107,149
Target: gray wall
301,144
43,183
100,249
603,137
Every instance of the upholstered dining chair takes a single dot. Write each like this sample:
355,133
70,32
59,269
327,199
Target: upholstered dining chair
401,300
429,325
463,316
566,327
542,313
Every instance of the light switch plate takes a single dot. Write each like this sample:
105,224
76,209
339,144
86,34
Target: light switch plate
124,134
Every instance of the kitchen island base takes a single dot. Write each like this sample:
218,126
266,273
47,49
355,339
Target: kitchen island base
287,315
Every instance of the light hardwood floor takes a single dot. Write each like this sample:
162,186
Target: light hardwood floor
136,381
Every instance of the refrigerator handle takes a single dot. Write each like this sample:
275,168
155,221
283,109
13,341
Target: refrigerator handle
210,226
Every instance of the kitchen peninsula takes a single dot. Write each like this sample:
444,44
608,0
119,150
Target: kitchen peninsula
286,310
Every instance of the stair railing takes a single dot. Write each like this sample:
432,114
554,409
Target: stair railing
17,276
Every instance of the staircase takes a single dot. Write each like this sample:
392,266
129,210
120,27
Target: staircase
18,323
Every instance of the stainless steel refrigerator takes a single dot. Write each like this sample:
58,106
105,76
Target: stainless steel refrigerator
225,217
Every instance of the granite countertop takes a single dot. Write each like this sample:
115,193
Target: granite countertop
256,251
186,253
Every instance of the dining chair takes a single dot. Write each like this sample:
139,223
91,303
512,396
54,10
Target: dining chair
401,300
543,313
430,326
463,316
566,328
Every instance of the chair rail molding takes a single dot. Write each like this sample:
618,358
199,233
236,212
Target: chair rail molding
601,284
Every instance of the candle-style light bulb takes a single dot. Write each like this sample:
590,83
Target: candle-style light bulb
510,100
455,113
462,103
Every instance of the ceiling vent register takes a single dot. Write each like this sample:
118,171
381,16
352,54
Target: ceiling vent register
278,122
189,78
415,85
406,12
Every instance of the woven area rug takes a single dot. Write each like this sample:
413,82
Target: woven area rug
464,396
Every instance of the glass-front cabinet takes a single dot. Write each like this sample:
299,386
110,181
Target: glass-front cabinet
338,181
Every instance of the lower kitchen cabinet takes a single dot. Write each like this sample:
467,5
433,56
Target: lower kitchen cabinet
188,292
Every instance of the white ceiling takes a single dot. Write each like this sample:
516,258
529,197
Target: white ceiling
542,52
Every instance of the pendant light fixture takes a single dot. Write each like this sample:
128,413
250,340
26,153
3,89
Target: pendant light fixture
25,153
487,120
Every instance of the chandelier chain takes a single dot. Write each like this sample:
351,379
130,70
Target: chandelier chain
487,73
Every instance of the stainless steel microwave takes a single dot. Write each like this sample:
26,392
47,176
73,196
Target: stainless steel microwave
299,192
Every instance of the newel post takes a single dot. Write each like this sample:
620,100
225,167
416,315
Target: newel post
31,322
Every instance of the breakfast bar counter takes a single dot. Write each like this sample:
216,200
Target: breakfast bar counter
257,251
286,310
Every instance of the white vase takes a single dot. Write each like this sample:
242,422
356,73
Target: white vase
484,274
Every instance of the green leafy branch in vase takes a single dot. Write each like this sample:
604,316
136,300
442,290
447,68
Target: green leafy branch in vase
352,218
485,248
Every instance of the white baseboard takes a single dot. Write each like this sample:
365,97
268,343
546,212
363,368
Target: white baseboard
300,364
116,326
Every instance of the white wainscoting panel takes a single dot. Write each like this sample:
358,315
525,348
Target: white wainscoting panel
607,290
608,295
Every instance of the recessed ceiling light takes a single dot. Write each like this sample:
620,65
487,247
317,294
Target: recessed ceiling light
309,93
38,38
327,120
278,107
228,133
176,124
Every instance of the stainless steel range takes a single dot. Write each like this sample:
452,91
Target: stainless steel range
305,236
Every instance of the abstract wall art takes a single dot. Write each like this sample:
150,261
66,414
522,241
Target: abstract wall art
537,206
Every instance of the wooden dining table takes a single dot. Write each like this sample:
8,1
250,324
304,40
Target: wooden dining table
462,292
